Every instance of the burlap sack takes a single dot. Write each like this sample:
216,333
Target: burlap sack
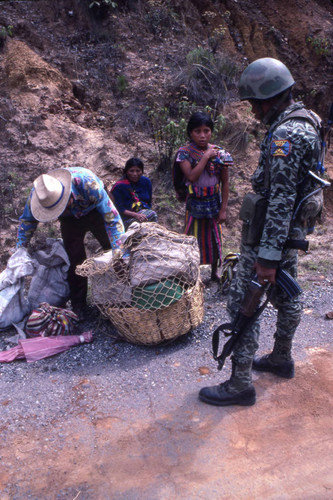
156,258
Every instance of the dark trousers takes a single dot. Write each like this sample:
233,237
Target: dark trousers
73,232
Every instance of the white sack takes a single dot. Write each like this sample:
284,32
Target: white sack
13,305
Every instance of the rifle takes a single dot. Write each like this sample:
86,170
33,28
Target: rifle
253,305
249,311
297,244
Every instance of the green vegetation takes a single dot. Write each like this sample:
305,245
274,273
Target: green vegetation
4,32
14,178
121,84
320,45
8,210
320,266
216,37
169,133
159,17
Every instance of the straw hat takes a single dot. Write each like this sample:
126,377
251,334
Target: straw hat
51,194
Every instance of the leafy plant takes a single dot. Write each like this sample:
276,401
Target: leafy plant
26,192
121,84
320,45
216,37
159,17
8,209
4,32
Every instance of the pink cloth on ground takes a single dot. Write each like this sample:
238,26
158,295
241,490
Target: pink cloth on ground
42,347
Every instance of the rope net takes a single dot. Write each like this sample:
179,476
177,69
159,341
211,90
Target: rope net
150,290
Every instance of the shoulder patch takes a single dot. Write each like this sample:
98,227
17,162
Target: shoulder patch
280,148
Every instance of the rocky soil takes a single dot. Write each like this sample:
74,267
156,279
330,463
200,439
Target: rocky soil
76,84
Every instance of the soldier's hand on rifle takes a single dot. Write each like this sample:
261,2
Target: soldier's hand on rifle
265,274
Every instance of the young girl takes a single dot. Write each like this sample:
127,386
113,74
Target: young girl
205,168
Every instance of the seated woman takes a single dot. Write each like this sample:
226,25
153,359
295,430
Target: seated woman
132,194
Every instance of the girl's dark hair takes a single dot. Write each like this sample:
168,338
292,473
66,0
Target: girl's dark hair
197,120
133,162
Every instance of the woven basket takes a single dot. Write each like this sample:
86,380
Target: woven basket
153,327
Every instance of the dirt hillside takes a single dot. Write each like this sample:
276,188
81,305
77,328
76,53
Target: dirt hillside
76,83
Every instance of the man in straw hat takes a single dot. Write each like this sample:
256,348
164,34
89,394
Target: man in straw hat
77,197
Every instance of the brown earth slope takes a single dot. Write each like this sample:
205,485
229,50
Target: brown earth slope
62,104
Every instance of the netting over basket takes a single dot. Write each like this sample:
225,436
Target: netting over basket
151,291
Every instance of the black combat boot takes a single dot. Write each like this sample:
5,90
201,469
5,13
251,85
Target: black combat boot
238,390
279,361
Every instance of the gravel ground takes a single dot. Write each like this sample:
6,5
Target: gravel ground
56,387
113,420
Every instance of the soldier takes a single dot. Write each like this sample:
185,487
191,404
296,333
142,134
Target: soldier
290,149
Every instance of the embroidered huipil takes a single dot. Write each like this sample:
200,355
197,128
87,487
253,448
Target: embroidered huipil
87,194
132,196
209,181
203,201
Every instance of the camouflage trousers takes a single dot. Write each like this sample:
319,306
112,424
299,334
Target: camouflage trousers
288,310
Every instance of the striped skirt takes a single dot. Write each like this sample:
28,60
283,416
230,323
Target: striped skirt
209,235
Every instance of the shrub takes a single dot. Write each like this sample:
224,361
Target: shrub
121,84
320,45
4,32
159,17
216,37
207,77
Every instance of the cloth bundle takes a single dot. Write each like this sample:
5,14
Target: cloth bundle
49,321
48,268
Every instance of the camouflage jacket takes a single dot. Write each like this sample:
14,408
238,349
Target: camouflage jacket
291,149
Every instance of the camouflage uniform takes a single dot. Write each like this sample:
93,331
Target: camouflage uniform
289,150
292,149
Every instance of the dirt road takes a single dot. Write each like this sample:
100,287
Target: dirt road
115,421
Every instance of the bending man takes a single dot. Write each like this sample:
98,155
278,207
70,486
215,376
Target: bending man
77,197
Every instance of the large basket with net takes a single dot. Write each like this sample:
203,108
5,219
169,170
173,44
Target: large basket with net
151,291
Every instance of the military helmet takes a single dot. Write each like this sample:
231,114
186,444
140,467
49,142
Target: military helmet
264,78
